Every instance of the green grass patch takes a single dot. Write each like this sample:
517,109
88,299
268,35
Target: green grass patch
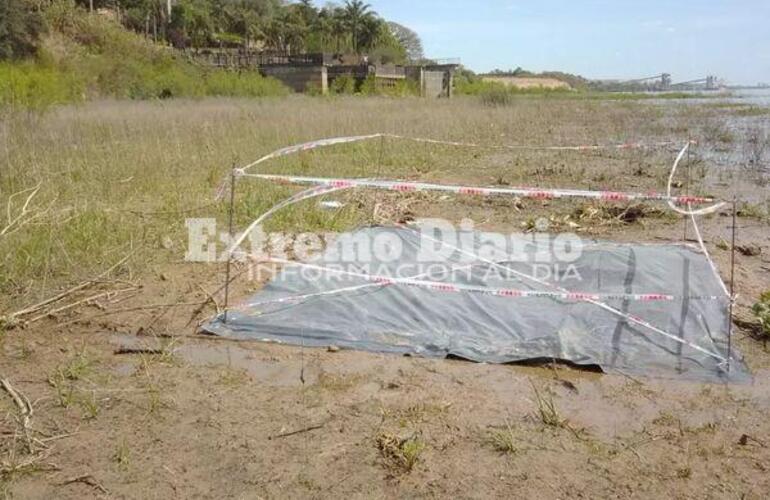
33,85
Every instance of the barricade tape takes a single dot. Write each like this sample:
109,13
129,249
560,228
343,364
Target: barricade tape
440,286
526,192
307,146
296,198
325,185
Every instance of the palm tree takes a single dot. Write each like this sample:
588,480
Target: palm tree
356,13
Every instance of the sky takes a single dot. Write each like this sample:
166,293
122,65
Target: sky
621,39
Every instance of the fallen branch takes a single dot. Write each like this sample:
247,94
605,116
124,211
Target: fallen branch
87,479
86,300
132,309
25,410
36,307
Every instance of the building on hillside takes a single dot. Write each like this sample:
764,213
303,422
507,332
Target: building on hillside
318,72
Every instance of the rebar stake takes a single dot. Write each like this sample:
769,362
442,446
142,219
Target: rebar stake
687,180
229,253
732,285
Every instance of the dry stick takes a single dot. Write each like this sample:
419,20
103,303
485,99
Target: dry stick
72,290
85,479
132,309
80,302
299,431
199,309
25,409
137,350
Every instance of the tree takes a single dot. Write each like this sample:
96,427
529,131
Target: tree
191,21
409,39
20,28
251,20
357,16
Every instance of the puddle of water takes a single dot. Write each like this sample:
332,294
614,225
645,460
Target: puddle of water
270,371
261,367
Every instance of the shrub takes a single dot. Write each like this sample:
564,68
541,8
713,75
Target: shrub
246,84
343,84
369,86
762,311
36,86
496,96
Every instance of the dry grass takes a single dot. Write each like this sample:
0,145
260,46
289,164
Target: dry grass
546,409
107,178
503,439
400,454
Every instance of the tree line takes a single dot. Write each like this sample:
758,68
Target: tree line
290,27
276,25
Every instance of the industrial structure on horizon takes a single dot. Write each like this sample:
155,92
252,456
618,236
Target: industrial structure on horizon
663,82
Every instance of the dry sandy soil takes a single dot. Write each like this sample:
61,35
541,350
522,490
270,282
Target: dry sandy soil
128,400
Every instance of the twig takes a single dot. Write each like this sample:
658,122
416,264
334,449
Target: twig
56,438
133,309
745,438
85,479
92,298
199,309
36,307
137,350
299,431
211,298
25,409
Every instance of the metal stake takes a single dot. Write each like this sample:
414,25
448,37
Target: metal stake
230,232
732,286
380,158
687,180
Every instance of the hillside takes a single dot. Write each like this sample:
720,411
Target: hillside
61,52
83,56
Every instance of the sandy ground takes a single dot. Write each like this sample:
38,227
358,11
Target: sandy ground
129,401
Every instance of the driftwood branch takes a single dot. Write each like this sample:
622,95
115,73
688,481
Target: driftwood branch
25,410
40,305
86,300
86,479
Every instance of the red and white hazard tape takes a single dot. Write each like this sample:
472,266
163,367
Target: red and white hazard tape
498,292
307,146
525,192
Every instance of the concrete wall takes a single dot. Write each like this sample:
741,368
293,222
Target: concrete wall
433,84
299,78
434,81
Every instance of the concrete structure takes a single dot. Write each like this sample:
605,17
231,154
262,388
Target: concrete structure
311,79
317,72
